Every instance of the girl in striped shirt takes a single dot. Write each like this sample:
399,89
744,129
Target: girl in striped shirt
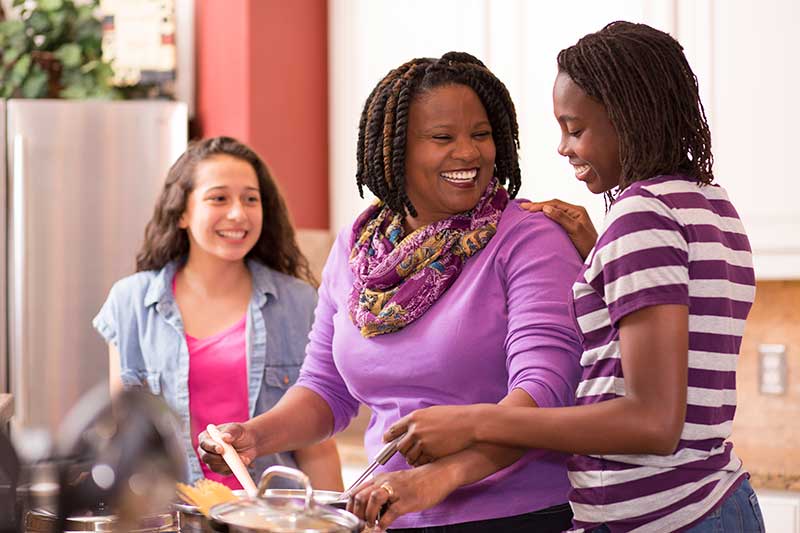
660,303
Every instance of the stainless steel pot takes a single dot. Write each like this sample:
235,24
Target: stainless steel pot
191,520
42,521
283,510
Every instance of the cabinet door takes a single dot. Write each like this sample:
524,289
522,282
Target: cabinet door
781,510
755,114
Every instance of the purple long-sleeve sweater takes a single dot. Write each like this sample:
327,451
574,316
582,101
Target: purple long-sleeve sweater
503,324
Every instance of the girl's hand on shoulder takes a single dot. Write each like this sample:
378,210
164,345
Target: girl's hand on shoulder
573,218
393,494
434,432
237,435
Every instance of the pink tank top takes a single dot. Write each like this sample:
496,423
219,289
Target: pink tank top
218,385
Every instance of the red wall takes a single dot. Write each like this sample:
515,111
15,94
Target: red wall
262,71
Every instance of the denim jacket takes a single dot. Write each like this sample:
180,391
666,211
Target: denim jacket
141,319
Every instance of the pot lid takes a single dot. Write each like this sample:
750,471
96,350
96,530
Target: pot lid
285,513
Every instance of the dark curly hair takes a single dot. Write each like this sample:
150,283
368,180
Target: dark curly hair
165,241
643,79
382,130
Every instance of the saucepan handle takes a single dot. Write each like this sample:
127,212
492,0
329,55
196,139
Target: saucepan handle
286,473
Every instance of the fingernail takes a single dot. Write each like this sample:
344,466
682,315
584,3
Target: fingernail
547,209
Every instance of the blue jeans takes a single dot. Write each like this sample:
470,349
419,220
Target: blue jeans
738,513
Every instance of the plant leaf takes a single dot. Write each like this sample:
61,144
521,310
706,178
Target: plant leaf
36,84
69,55
12,27
6,89
75,92
89,31
16,37
58,24
51,5
20,70
10,55
85,12
39,22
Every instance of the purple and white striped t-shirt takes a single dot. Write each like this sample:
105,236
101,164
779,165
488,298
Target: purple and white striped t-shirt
666,241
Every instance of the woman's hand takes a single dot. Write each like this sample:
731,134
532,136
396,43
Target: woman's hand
573,218
238,435
434,432
398,493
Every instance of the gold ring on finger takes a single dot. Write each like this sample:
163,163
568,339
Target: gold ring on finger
388,488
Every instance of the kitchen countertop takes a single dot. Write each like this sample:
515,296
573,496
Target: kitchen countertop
6,407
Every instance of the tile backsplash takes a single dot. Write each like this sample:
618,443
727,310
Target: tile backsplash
766,430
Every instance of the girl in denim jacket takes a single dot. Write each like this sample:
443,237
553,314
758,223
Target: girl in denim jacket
216,318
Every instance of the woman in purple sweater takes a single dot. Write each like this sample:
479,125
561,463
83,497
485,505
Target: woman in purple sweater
444,291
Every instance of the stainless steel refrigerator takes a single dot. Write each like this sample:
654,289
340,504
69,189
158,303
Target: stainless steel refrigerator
80,180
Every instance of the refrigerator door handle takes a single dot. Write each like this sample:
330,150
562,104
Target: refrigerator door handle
18,279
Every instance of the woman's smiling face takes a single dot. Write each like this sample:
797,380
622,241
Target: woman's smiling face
588,138
450,153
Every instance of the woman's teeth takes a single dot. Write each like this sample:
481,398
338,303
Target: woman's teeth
460,176
581,170
232,234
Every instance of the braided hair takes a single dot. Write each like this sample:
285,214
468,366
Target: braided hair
382,130
643,79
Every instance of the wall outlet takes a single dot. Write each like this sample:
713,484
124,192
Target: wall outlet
772,368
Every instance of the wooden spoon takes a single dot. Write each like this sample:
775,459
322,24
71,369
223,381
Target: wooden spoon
234,461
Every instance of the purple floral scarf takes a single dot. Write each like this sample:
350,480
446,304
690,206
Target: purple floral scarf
397,277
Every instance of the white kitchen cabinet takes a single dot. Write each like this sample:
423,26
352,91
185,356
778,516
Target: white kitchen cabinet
781,510
755,112
743,52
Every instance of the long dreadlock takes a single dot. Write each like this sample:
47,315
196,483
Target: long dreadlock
643,79
382,130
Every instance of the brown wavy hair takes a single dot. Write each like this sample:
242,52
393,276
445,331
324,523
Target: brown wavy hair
165,241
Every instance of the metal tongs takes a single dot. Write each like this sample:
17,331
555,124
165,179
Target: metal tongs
382,458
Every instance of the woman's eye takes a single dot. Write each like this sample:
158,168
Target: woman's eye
483,134
217,198
254,199
442,137
575,133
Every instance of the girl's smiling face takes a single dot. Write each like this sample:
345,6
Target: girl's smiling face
588,138
223,216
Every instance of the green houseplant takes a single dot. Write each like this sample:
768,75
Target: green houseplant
53,50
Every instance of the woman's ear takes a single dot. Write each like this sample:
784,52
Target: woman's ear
182,221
